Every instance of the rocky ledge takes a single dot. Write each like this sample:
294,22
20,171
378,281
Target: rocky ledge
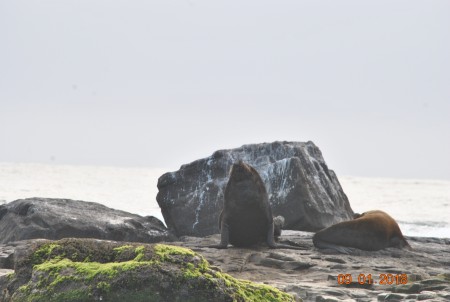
95,270
313,275
308,274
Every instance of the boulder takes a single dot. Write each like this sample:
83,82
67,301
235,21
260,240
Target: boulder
97,270
62,218
300,186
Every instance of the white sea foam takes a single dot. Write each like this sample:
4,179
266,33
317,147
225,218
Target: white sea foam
422,207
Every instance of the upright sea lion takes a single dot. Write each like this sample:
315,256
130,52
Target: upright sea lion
370,231
246,218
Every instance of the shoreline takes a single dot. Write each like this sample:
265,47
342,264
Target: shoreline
401,223
421,203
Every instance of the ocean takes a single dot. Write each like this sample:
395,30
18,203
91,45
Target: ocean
421,207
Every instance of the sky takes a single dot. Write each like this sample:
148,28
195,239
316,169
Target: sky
163,83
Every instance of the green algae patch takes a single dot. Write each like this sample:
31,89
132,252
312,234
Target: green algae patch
106,287
200,268
66,280
44,252
250,291
164,251
92,270
180,255
11,276
140,253
87,270
122,249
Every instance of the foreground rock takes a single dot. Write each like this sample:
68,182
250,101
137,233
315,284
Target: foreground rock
312,274
93,270
309,274
62,218
300,186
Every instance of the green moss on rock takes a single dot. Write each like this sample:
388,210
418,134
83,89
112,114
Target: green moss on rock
44,252
131,272
122,249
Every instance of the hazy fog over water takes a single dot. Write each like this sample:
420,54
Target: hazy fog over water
163,83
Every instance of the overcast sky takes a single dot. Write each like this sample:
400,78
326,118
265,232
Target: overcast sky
163,83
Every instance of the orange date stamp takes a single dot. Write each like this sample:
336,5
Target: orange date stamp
381,279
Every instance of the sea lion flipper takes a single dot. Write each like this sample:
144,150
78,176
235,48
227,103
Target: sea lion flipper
330,246
271,241
278,224
400,243
224,236
270,237
218,246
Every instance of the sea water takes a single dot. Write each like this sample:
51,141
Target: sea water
421,207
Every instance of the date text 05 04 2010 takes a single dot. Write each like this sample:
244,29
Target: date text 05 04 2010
383,279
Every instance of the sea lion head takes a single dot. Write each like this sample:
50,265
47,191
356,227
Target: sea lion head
356,215
245,187
241,171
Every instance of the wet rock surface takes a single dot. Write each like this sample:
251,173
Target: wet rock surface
312,275
61,218
300,186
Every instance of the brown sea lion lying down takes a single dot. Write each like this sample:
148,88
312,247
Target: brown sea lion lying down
246,218
370,231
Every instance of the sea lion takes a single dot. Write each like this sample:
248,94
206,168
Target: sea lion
370,231
246,218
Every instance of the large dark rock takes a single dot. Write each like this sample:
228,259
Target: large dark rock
300,186
62,218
